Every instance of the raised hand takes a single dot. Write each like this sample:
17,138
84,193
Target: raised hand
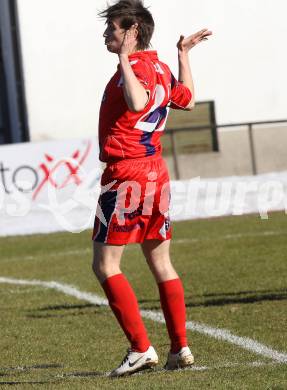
185,44
129,41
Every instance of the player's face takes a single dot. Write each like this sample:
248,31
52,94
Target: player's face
114,36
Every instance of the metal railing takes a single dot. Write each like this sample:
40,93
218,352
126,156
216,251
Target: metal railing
215,145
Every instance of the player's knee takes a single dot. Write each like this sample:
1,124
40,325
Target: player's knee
98,269
104,269
159,262
99,273
162,269
97,264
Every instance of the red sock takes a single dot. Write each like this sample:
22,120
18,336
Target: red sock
173,307
123,303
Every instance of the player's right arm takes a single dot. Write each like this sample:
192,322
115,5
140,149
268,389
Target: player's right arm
135,94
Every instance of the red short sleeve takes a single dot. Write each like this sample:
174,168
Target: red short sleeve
180,94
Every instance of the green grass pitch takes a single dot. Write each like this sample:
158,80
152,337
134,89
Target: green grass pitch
234,271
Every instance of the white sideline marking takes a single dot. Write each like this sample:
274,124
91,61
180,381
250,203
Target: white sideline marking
64,288
217,333
88,251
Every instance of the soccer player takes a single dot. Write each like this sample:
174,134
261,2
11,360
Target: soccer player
135,184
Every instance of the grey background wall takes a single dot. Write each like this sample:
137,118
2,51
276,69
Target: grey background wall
234,158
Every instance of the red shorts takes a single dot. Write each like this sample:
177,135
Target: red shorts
134,202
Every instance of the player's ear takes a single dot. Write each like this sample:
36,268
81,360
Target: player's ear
134,28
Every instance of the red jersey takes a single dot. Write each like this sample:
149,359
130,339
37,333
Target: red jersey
124,134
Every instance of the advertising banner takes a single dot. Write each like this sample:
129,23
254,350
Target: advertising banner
54,186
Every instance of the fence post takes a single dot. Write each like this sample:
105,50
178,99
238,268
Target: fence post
252,149
16,128
174,154
213,127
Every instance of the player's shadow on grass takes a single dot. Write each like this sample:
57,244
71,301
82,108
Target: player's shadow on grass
85,374
222,299
205,300
29,368
10,383
9,370
76,310
67,307
54,379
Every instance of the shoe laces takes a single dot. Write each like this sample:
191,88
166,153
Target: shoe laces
126,358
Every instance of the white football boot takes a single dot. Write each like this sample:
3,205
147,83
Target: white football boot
184,358
136,361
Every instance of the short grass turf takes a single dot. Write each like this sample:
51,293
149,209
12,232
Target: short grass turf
234,271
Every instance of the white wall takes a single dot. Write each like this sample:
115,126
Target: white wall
243,67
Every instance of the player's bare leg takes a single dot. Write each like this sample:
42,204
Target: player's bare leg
123,302
172,301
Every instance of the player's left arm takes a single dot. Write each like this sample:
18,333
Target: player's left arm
184,45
